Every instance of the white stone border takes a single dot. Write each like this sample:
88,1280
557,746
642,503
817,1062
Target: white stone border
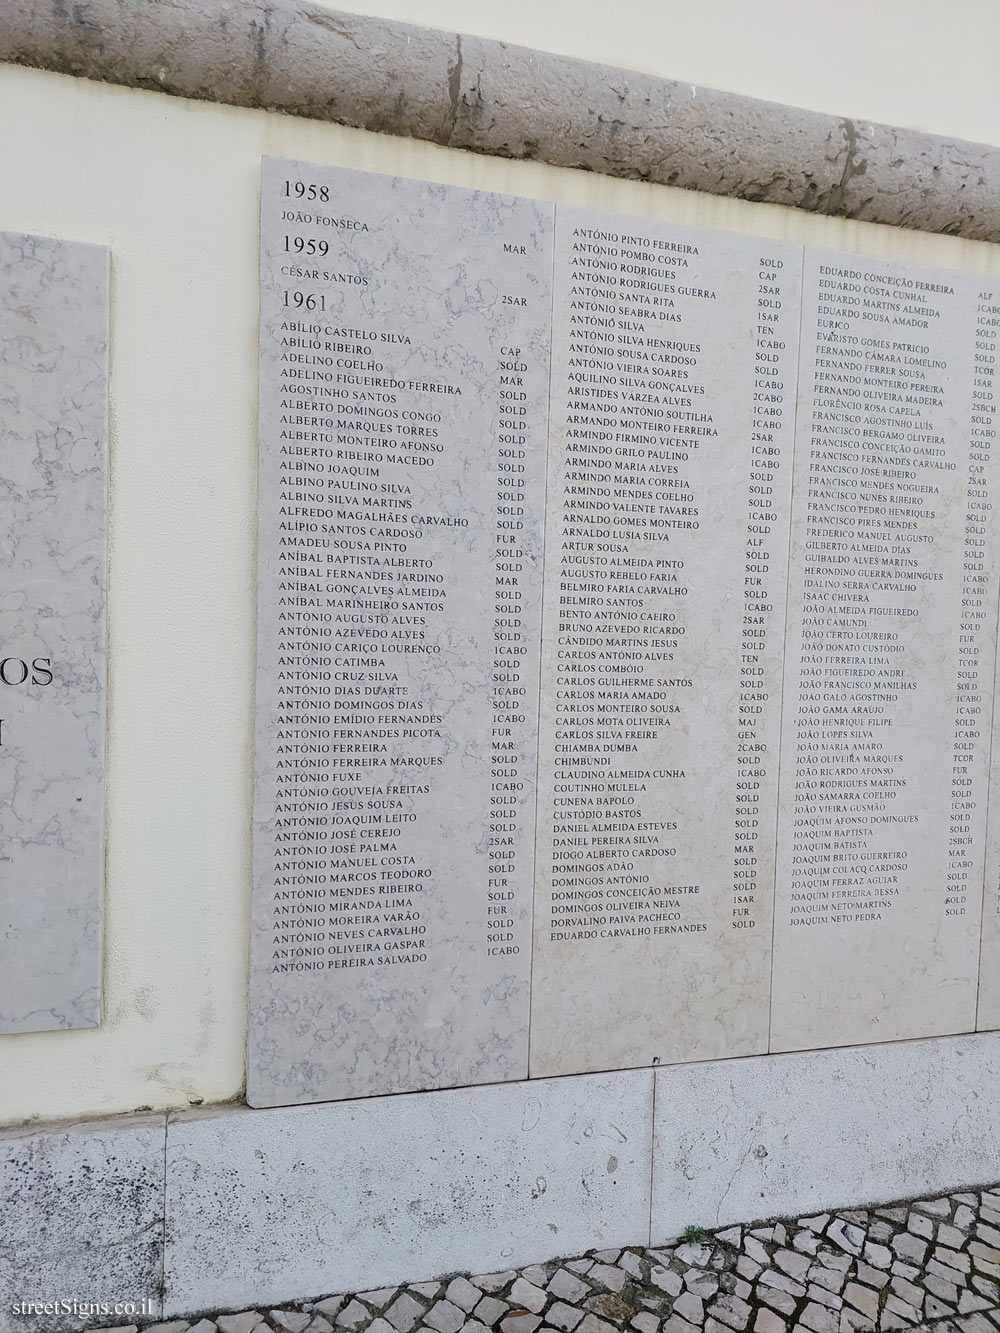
510,101
235,1207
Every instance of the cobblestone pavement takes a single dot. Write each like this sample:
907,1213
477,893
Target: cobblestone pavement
930,1263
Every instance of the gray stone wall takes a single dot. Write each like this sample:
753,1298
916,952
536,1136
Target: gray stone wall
490,97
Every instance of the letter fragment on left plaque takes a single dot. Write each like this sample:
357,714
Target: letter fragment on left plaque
53,468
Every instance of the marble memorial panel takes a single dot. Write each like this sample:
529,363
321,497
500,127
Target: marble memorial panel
985,421
671,429
404,376
53,470
892,620
724,418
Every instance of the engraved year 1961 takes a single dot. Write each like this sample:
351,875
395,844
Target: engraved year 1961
305,300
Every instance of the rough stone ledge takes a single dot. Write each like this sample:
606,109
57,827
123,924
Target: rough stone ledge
486,96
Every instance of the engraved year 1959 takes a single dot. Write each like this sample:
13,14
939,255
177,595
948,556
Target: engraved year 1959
303,245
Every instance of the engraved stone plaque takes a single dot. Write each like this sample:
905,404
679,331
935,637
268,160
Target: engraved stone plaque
889,663
536,637
985,420
53,467
672,416
404,364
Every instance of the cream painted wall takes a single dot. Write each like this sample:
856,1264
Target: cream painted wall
924,64
172,188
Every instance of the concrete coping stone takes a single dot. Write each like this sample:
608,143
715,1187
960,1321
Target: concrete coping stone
509,101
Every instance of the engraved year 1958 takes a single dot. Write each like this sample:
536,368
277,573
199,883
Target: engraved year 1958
300,190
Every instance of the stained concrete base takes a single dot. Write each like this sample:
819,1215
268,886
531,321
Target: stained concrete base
236,1207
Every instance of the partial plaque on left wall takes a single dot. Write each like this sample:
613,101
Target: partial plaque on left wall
53,483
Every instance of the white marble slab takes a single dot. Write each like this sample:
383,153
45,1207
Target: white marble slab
672,416
409,428
889,663
53,480
736,1140
985,422
404,354
273,1205
82,1224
